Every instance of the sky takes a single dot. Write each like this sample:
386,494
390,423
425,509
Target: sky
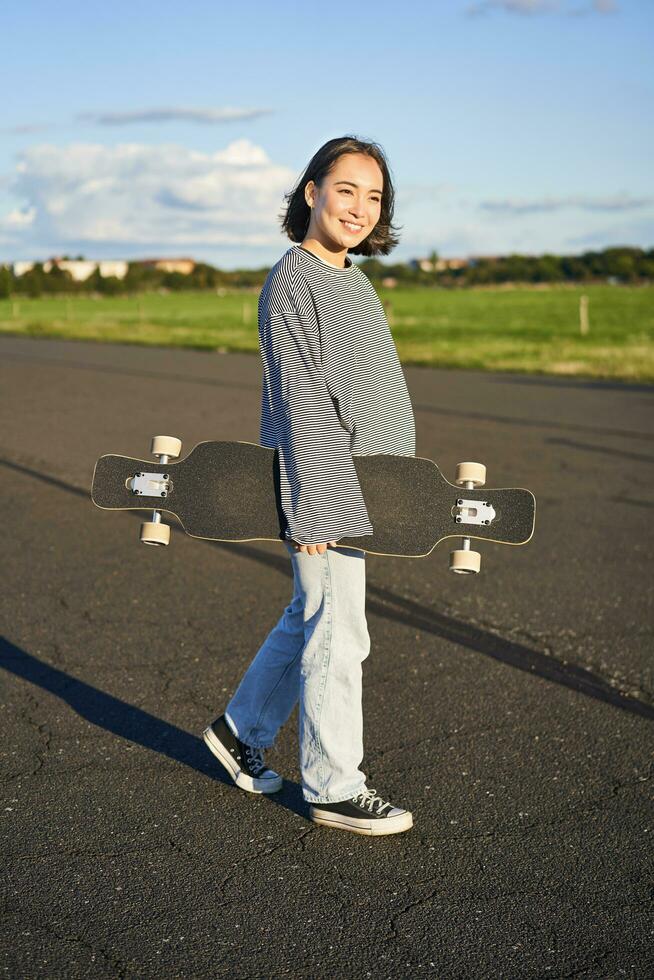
142,129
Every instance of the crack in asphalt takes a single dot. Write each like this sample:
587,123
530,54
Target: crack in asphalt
260,855
117,965
44,734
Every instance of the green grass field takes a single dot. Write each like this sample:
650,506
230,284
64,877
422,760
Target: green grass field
519,329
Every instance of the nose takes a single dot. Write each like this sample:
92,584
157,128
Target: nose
358,208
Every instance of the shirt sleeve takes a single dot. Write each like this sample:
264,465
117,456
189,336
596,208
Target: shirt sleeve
319,488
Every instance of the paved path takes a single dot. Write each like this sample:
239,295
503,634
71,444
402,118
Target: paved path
512,712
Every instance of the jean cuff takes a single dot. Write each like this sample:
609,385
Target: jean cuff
341,799
253,745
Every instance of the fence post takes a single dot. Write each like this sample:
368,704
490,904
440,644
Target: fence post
584,325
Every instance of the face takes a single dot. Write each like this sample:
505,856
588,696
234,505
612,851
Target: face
347,206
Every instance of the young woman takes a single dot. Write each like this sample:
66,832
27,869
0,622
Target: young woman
333,388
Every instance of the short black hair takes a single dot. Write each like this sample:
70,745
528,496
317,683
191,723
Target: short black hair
295,219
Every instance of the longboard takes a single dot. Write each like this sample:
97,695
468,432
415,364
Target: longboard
229,491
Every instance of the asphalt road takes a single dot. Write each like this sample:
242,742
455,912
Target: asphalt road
512,711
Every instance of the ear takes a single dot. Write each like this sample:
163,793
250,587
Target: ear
309,191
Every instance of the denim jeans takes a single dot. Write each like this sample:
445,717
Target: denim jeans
313,655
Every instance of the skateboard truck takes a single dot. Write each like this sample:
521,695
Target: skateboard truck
473,511
149,484
464,561
154,531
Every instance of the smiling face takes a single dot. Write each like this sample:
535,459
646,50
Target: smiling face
346,208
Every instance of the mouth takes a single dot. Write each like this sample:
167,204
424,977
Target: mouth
354,229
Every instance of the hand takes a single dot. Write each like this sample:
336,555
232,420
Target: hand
312,549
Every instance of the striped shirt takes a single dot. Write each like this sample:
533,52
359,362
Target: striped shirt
333,388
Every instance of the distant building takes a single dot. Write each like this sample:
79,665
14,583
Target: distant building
442,264
20,268
113,267
389,281
79,269
426,265
185,266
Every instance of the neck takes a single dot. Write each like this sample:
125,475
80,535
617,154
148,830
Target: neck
335,256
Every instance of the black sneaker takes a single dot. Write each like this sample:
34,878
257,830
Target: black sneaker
365,813
243,763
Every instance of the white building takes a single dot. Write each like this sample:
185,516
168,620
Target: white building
80,269
426,265
20,268
184,266
113,267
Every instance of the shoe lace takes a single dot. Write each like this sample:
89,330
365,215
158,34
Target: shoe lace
254,757
368,800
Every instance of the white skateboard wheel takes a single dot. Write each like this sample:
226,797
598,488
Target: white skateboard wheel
465,562
155,533
473,472
166,446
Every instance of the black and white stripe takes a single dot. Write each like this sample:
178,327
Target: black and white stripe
333,387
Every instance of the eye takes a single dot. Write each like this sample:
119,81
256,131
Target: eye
346,190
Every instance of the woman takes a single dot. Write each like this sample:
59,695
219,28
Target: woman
333,388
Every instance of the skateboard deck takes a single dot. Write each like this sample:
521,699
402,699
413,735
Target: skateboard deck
229,491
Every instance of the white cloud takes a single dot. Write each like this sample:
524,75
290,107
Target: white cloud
26,128
164,195
412,193
163,114
531,7
462,223
132,199
171,114
19,218
513,6
616,202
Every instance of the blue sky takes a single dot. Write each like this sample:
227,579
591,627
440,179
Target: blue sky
140,129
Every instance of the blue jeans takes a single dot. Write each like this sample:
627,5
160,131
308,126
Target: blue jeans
314,655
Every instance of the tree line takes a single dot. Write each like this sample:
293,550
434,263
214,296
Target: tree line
619,265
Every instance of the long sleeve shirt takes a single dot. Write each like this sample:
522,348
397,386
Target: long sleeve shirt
333,388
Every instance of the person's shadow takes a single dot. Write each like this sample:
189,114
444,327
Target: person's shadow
131,723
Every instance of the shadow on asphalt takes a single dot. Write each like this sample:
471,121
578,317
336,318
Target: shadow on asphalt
131,723
389,605
543,380
604,450
548,381
134,372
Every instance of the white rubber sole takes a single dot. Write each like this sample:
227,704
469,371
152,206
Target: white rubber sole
242,780
371,828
